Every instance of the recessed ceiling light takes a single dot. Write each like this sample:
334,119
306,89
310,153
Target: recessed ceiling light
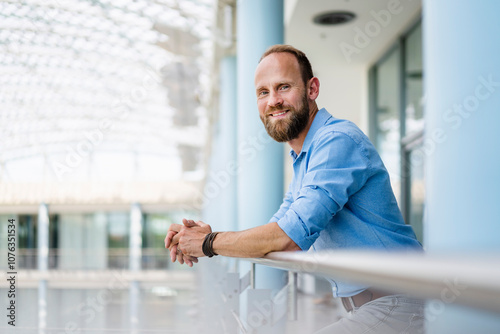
332,18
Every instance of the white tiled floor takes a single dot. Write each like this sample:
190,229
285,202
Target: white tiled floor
172,305
87,311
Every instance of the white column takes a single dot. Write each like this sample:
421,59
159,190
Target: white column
228,124
43,237
43,264
135,246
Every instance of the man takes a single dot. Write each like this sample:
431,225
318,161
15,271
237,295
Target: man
340,196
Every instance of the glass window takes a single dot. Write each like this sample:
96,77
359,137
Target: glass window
118,230
154,254
27,231
26,227
82,241
155,230
387,121
156,226
118,239
414,110
398,108
413,186
417,195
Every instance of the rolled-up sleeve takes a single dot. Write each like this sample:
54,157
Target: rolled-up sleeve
336,168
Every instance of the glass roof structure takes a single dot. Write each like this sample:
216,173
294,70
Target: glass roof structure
100,92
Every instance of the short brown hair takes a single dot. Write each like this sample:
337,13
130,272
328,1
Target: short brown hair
304,64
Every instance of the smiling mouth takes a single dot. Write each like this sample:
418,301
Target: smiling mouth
280,113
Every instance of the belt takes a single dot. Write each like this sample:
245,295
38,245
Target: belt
361,298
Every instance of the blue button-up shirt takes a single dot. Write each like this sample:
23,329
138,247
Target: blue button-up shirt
340,196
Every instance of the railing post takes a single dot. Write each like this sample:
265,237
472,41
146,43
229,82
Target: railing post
292,296
252,276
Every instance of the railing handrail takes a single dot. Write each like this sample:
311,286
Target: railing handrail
464,279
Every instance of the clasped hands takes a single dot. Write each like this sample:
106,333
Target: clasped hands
185,241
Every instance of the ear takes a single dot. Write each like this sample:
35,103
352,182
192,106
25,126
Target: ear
313,88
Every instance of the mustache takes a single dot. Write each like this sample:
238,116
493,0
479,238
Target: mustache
273,110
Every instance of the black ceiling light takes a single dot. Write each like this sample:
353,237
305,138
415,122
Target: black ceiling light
333,18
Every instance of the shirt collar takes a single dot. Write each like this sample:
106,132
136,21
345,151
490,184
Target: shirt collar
319,120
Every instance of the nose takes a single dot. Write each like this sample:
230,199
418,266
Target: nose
275,100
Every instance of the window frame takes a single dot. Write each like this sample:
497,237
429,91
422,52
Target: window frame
408,142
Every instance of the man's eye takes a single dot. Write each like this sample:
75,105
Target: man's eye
284,87
262,93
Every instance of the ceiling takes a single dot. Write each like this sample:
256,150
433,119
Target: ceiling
377,25
96,91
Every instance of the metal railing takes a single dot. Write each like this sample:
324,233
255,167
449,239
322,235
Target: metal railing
468,280
472,281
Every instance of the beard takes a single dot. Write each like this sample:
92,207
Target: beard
287,128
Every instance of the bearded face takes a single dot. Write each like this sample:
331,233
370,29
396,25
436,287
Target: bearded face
289,127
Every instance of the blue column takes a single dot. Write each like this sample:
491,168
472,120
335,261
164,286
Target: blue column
220,206
228,123
260,179
462,85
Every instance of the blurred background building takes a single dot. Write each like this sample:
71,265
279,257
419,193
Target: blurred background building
118,118
103,104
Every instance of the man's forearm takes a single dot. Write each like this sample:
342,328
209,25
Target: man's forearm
254,242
